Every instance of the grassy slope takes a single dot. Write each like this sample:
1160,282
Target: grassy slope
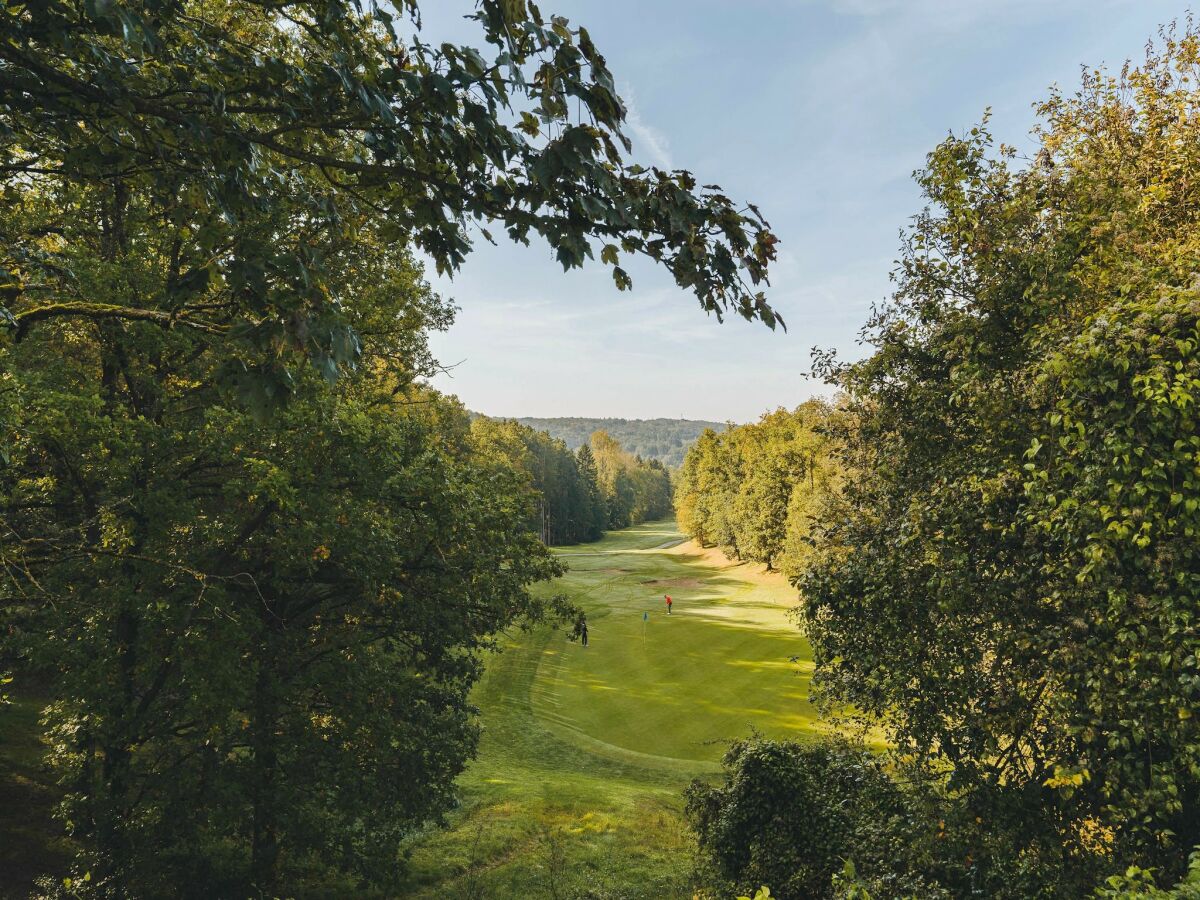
585,754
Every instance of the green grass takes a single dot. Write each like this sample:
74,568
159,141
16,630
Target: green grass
577,790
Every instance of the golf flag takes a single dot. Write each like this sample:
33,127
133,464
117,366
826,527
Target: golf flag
645,616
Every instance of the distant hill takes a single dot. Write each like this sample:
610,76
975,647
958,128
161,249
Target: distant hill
666,440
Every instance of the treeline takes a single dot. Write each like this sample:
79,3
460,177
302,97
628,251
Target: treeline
635,490
1006,580
577,496
756,490
665,440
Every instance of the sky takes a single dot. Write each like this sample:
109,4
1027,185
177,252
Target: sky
818,111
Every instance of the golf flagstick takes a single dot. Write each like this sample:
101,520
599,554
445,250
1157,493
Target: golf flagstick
645,618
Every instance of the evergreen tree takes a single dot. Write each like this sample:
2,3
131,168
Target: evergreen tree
594,516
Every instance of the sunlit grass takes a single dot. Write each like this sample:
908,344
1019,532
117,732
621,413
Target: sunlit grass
586,751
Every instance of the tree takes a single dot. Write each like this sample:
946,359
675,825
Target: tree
1139,884
595,516
211,337
756,490
697,486
651,489
563,496
787,815
337,107
633,490
1008,581
261,633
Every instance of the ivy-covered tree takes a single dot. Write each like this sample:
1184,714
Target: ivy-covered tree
1010,581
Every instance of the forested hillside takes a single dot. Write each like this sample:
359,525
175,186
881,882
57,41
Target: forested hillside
666,440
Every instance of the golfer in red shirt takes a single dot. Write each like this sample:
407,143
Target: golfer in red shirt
668,596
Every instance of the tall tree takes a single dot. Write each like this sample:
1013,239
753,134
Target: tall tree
261,633
632,489
1010,582
563,496
757,489
595,516
336,110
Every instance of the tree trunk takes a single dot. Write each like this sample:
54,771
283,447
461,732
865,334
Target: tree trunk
113,793
264,851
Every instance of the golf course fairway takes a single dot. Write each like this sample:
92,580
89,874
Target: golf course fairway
577,789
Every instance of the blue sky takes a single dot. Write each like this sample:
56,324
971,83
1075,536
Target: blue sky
816,110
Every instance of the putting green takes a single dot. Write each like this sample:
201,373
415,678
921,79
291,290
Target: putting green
585,752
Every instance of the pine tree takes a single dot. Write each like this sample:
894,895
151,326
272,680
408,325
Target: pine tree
596,515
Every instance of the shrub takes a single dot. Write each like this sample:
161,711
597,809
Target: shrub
788,814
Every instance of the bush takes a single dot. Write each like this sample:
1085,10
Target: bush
788,814
829,820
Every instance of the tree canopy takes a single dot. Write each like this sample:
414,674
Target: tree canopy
756,490
567,506
633,490
1009,579
262,127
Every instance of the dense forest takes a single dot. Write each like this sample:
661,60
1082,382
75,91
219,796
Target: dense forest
576,496
1004,579
665,440
250,561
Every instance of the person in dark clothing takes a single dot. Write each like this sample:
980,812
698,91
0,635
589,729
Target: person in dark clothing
580,631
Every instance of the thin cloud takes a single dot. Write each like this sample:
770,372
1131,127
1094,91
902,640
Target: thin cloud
646,137
962,13
817,109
